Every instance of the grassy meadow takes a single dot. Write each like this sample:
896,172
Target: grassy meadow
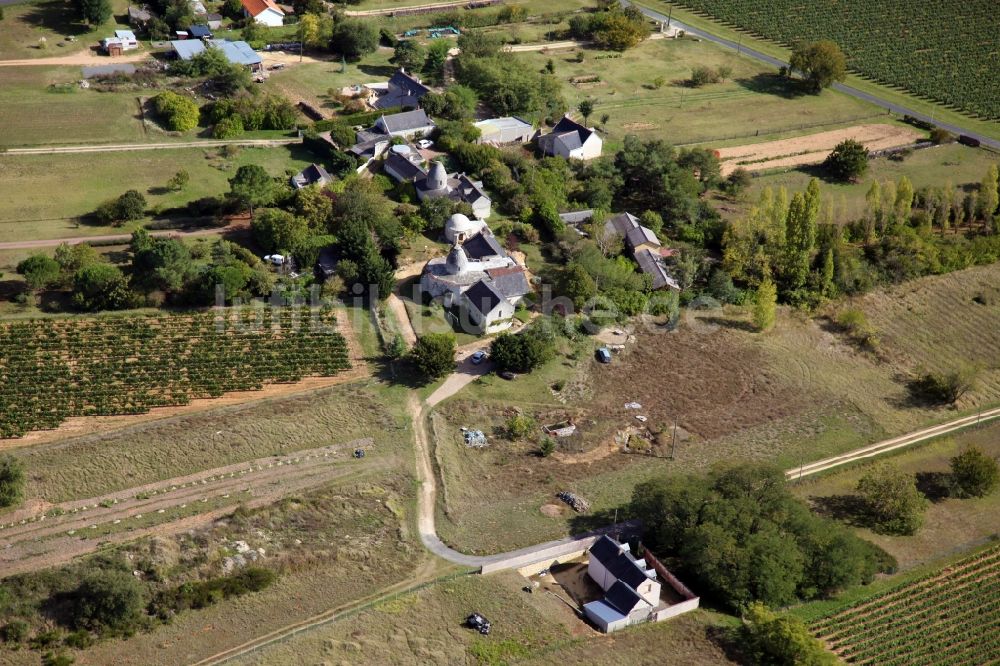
26,24
751,104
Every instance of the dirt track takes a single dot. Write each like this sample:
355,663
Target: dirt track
86,59
812,148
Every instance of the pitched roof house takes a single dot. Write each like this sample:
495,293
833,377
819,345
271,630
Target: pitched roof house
238,53
406,124
264,11
644,246
403,91
314,174
487,309
571,140
631,591
404,164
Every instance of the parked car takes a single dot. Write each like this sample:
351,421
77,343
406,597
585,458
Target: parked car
478,357
479,623
508,375
424,144
603,355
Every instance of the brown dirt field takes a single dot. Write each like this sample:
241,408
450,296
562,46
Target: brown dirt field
812,148
712,383
87,425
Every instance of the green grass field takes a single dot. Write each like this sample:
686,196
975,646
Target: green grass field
35,114
25,24
891,94
28,211
950,525
89,465
748,105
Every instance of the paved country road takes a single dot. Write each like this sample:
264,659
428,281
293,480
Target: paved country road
846,89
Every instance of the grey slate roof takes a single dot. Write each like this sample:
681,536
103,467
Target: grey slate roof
652,265
406,169
577,216
408,84
640,235
568,133
406,121
199,31
312,174
482,245
511,282
618,563
483,297
472,190
623,598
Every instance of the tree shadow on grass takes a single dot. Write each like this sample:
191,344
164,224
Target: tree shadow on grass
55,16
850,509
377,70
934,485
726,322
768,83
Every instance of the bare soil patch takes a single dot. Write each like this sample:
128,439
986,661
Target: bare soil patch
812,148
711,383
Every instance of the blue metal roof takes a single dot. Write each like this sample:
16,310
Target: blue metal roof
187,48
238,53
200,31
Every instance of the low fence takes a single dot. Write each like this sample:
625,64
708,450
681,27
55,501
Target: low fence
691,601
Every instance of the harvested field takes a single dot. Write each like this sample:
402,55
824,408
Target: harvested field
94,465
951,616
813,148
42,537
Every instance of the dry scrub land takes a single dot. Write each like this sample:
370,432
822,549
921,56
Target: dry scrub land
799,393
426,627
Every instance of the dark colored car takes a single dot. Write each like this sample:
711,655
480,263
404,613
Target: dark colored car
479,623
508,375
603,355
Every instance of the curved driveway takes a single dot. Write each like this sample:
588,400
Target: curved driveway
840,87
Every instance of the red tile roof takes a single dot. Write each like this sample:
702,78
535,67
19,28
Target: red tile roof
256,7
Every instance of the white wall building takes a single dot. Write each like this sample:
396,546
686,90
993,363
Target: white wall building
571,140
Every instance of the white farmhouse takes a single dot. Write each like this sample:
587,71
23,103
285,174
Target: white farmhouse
263,11
571,140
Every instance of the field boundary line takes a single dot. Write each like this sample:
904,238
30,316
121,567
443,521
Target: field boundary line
128,147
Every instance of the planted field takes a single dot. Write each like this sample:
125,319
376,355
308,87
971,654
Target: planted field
951,616
945,50
53,369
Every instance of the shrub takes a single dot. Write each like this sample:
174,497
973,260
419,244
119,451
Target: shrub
228,128
11,481
434,354
944,387
108,600
847,161
973,474
547,447
939,135
769,638
15,631
520,426
180,113
893,502
702,75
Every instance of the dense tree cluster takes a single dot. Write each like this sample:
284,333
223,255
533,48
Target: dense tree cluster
891,499
246,112
613,28
767,637
504,82
525,351
434,355
743,537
